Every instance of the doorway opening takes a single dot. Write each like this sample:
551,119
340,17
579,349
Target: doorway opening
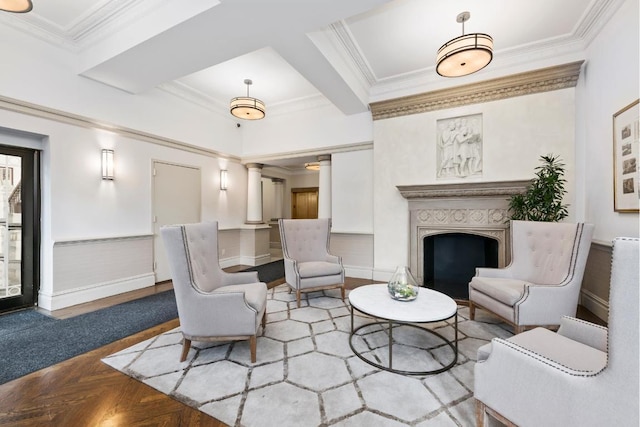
19,227
304,203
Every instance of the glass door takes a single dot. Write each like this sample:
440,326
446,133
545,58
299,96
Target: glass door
19,226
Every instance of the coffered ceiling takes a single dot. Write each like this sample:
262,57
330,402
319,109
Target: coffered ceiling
347,53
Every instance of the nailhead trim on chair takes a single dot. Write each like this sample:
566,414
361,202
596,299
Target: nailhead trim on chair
555,365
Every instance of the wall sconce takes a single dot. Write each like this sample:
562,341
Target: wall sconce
107,164
223,179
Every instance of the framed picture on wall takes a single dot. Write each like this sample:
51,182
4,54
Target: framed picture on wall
459,147
626,159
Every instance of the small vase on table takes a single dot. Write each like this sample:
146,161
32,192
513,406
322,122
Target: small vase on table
403,286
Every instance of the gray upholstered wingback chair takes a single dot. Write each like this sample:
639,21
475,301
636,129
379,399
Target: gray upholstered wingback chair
583,375
543,281
308,265
213,305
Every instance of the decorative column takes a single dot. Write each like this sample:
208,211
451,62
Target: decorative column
324,196
278,188
254,193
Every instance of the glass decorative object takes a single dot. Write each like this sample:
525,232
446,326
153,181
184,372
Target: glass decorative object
403,286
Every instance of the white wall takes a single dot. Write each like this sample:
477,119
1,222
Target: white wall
79,205
304,130
39,73
516,132
610,82
352,192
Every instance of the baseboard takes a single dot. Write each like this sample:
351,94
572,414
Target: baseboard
358,272
256,260
229,262
76,296
382,276
595,304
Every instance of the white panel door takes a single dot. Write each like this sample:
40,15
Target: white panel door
176,200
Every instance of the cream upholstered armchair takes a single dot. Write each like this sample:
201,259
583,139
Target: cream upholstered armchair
583,375
543,281
308,265
213,305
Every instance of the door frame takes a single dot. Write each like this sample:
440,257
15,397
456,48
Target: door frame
31,233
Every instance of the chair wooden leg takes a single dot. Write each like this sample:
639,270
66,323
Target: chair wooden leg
252,345
472,311
342,291
186,345
264,321
481,413
298,297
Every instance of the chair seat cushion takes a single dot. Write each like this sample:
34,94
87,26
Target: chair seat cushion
318,268
254,293
507,291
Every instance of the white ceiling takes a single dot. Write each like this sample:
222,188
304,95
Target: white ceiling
348,53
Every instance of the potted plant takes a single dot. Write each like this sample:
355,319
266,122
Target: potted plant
542,201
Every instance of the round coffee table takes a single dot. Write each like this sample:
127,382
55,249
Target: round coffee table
430,306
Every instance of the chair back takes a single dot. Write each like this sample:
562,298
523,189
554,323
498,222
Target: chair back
305,239
550,253
192,252
623,358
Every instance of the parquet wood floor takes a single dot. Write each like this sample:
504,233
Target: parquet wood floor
83,391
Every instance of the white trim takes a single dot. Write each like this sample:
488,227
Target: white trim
70,297
594,304
229,262
255,260
358,272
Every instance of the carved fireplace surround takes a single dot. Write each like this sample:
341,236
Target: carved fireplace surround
479,208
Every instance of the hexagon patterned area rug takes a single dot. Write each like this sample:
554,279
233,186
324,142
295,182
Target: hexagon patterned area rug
306,374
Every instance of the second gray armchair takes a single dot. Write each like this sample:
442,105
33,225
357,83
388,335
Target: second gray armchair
308,265
543,281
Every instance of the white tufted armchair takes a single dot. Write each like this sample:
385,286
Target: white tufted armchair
543,281
584,375
213,305
308,265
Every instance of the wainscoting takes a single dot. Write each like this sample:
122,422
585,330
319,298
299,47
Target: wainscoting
356,250
86,270
595,285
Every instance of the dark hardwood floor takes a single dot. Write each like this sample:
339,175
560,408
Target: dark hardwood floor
83,391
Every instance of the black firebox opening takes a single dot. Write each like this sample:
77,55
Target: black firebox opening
450,261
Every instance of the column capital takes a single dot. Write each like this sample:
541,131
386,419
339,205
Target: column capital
323,157
254,165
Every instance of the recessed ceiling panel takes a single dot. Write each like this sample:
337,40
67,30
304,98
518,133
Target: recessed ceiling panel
274,80
403,36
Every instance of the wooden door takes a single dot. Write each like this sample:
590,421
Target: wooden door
304,203
176,200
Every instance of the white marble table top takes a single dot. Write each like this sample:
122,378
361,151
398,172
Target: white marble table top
430,306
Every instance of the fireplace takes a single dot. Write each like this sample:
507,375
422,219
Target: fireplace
450,261
478,209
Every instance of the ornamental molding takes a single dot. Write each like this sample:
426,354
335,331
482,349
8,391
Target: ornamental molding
527,83
462,217
464,190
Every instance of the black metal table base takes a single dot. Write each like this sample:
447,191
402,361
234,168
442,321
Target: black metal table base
390,323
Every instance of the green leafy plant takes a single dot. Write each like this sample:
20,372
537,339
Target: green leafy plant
542,201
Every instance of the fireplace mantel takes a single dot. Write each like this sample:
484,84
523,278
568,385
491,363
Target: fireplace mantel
479,208
465,189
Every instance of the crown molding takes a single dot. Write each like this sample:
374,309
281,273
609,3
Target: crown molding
268,158
352,52
35,110
527,83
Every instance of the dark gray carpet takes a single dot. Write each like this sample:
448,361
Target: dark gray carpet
30,341
269,272
47,342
